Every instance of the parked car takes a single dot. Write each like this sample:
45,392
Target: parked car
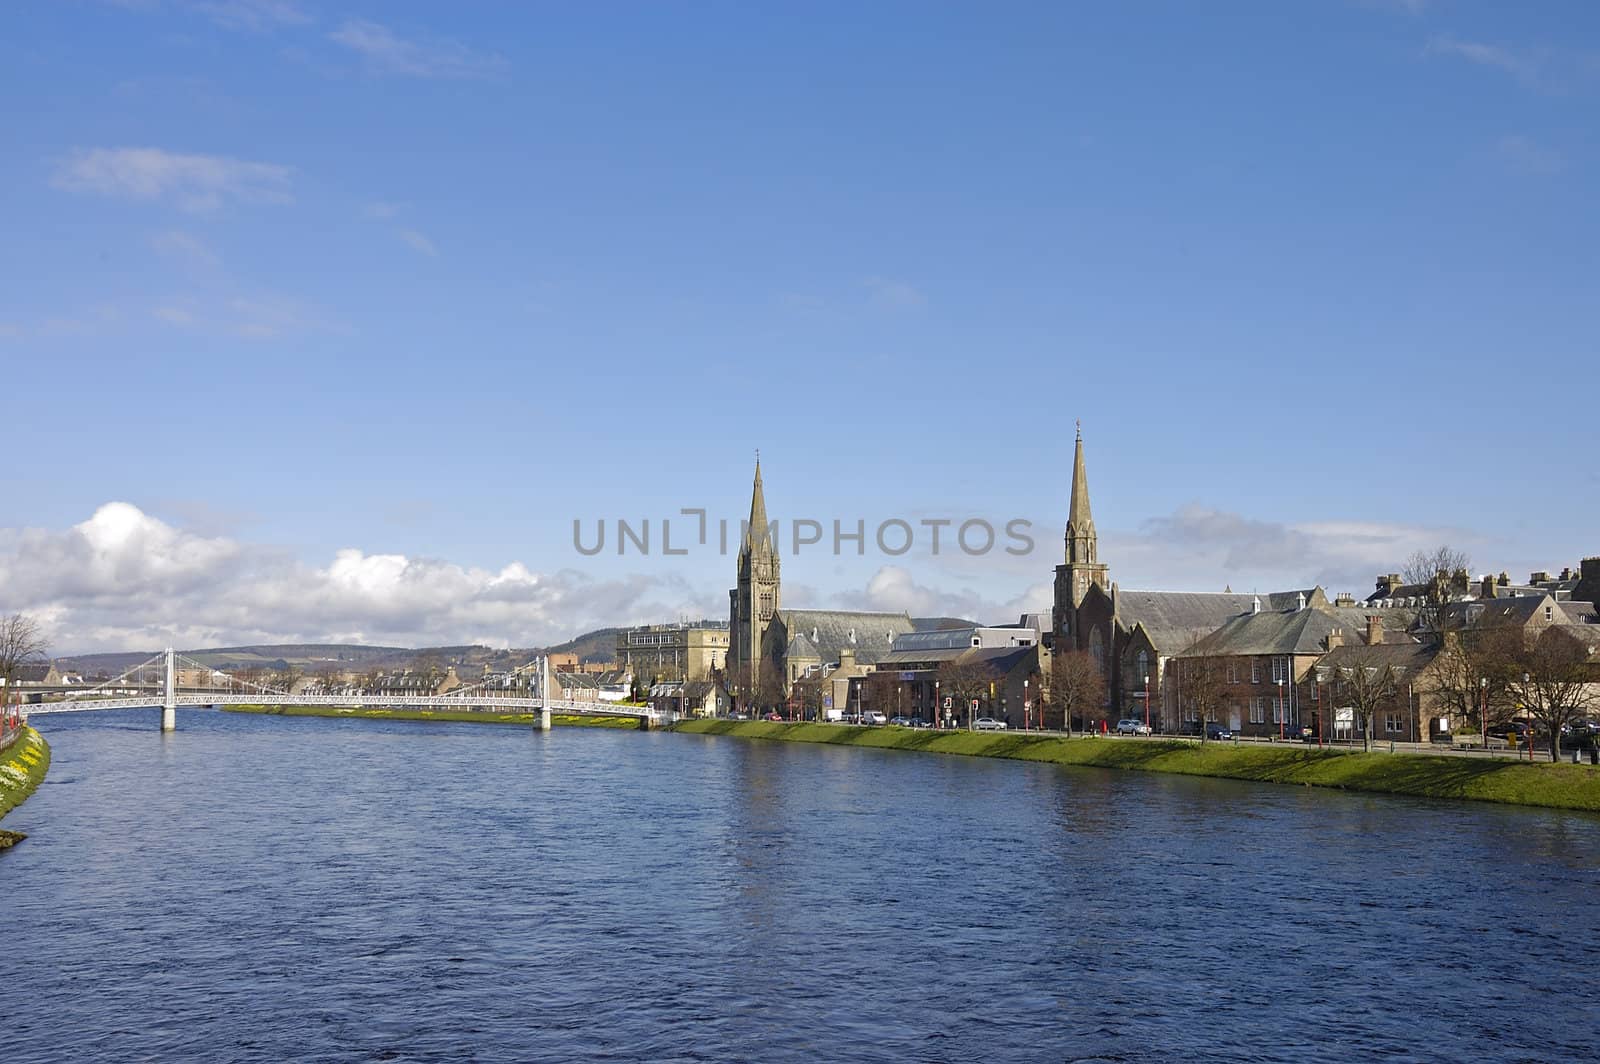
918,722
773,715
1213,730
1129,726
872,716
989,724
900,722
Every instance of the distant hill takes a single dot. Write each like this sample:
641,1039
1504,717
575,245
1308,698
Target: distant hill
598,645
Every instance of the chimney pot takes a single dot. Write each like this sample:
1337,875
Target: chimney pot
1374,630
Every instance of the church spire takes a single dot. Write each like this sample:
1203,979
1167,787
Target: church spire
1081,540
757,532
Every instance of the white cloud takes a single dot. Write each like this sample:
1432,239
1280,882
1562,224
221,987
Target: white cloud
1198,548
124,579
193,182
894,295
388,53
186,248
1519,64
894,589
256,16
417,242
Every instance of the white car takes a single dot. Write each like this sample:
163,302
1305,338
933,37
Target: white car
1132,727
872,716
989,724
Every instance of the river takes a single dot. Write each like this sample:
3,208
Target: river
266,889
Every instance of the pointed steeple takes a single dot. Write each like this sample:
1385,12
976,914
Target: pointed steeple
1082,543
757,529
1079,517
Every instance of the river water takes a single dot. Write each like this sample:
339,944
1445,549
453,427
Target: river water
267,888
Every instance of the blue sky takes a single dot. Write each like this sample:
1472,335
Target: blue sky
422,284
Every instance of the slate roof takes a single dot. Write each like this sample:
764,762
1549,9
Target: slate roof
874,632
1270,632
33,672
1174,619
1494,613
801,648
1578,612
1406,659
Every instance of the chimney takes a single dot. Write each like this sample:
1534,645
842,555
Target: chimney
1588,589
1255,604
1345,599
1374,630
1538,578
1335,639
1566,572
847,658
1489,585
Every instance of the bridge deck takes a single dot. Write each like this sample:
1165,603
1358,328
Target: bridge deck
471,702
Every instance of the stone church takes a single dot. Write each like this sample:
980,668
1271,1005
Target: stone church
1134,634
770,647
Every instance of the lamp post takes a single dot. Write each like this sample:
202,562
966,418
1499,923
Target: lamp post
1027,707
1527,719
938,707
1147,700
1483,712
1281,713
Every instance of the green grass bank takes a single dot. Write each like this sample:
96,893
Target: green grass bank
22,768
1554,786
449,715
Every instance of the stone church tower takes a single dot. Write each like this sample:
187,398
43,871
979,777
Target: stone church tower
1083,567
754,602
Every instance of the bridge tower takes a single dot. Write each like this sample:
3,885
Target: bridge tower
544,692
169,692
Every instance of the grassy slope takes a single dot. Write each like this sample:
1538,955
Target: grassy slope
22,769
452,715
1559,786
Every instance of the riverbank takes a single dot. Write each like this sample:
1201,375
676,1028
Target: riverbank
1554,786
23,765
456,716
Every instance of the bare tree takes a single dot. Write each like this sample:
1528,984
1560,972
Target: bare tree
1442,574
1468,676
1364,684
1202,689
21,643
1077,686
965,682
1549,677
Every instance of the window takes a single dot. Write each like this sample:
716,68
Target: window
1142,667
1233,671
1277,710
1255,671
1392,723
1279,671
1258,710
1549,613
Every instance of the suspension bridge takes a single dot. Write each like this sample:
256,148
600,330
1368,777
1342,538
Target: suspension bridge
156,683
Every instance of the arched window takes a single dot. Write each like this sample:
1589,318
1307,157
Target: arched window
1097,648
1142,667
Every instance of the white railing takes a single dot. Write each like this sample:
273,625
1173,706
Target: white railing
471,702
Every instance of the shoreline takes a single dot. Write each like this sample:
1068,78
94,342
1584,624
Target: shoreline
449,716
23,765
1547,786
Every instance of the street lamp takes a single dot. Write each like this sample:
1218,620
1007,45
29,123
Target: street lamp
1026,707
1281,713
1483,712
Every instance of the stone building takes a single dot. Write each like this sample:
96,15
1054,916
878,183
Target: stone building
693,651
769,647
754,600
1135,634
